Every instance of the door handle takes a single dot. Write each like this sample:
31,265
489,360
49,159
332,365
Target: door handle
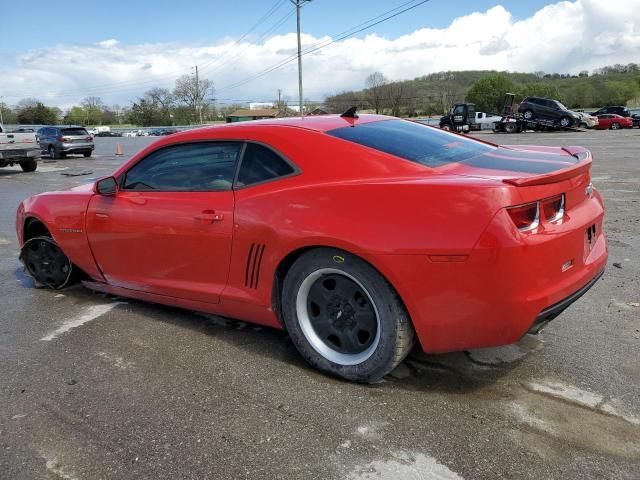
209,216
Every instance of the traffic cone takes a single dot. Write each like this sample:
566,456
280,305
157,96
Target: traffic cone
118,149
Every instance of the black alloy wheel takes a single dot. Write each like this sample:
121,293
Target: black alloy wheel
46,262
344,317
340,313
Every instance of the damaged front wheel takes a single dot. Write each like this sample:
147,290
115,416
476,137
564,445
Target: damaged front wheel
46,262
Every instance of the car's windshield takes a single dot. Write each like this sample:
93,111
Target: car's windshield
561,106
425,145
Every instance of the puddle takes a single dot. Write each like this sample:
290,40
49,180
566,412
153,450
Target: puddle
403,465
508,353
570,415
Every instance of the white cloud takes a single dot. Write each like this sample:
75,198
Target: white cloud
567,36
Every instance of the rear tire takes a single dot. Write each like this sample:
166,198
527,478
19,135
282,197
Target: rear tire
615,126
445,127
344,318
565,122
528,114
53,153
86,154
29,165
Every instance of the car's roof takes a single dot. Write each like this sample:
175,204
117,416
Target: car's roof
320,123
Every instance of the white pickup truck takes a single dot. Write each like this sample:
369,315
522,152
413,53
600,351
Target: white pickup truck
20,147
486,120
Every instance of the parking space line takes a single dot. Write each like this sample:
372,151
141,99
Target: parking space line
92,313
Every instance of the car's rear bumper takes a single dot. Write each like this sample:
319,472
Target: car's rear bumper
19,154
496,294
553,311
76,147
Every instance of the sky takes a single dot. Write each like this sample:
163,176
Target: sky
119,49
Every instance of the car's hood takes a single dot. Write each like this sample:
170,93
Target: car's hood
523,164
85,187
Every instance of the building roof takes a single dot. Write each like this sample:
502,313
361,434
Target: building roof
262,112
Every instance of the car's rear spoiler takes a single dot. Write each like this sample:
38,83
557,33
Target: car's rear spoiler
584,164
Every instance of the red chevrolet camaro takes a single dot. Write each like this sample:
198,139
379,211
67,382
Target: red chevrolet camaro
356,235
613,122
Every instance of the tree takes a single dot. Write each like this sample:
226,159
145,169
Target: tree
76,115
488,92
144,113
340,102
538,89
93,108
375,90
7,116
194,93
164,101
33,112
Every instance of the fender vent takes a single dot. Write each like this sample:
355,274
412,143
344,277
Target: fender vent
254,261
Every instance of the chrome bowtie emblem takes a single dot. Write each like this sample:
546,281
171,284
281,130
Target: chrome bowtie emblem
588,191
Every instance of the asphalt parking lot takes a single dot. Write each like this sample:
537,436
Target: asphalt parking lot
101,387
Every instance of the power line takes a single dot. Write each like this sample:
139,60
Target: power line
225,65
383,17
340,37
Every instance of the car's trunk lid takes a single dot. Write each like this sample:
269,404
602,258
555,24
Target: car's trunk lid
524,165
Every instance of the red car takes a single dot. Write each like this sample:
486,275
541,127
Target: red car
356,235
613,122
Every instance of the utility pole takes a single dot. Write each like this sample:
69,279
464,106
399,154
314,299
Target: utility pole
298,4
198,103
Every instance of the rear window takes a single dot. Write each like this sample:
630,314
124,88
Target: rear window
74,131
427,146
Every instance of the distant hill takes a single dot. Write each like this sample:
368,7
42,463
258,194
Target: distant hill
436,92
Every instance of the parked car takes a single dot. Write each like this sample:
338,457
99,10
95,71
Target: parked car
586,120
622,111
61,140
159,132
613,122
356,235
130,134
635,115
533,108
19,147
108,133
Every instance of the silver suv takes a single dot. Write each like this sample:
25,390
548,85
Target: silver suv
60,140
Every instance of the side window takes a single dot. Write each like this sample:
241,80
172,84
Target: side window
260,163
189,167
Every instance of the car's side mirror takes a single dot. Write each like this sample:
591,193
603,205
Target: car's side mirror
107,186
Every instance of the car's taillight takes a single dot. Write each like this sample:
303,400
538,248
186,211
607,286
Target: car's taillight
89,138
526,217
553,208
